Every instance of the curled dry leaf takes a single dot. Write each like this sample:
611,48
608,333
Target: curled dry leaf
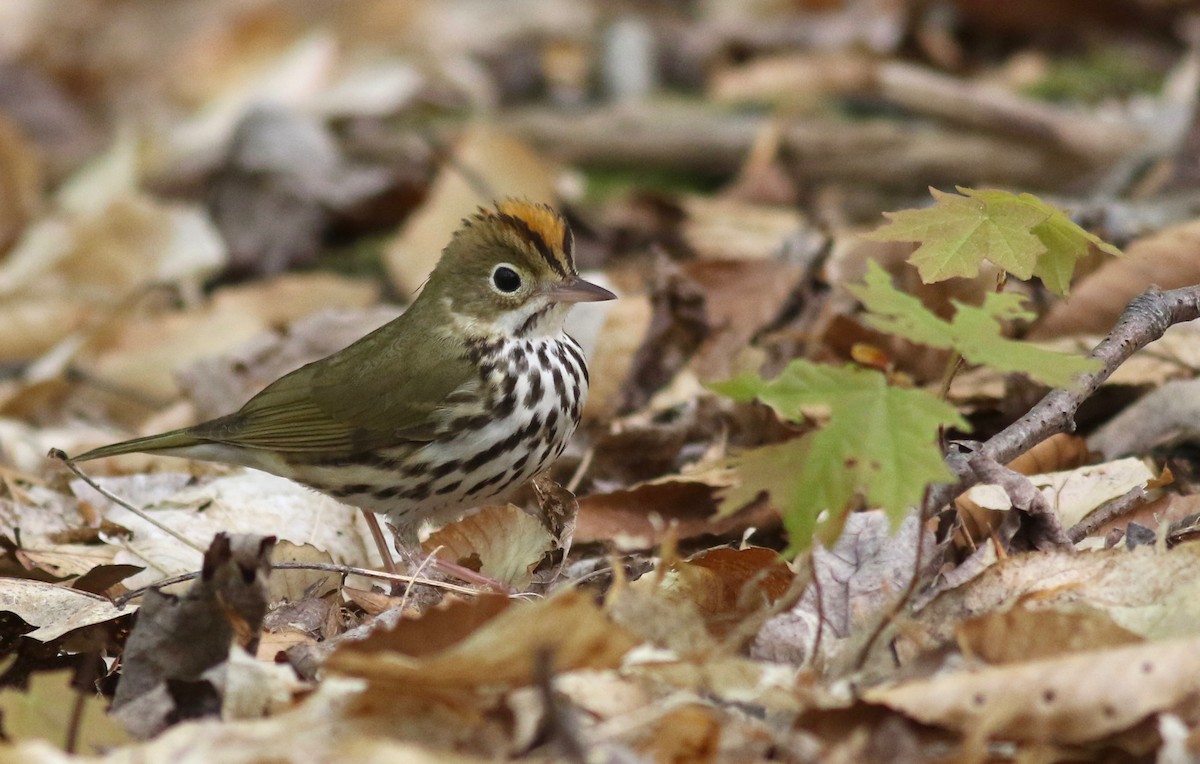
1152,595
727,585
1061,451
1073,493
55,609
639,516
179,639
1066,700
499,653
504,543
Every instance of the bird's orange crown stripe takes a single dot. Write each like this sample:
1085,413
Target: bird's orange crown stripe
541,219
543,229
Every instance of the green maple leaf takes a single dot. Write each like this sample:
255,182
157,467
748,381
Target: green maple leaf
974,332
1018,232
1065,244
880,442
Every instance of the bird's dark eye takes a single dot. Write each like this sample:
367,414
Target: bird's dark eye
506,279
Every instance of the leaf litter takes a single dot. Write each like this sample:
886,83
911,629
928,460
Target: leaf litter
194,203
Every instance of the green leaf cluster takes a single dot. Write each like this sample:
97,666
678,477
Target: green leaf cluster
1018,232
880,443
975,332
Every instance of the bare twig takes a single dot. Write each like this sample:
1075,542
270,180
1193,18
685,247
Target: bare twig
902,601
59,454
1107,512
585,463
328,567
820,595
1144,320
381,542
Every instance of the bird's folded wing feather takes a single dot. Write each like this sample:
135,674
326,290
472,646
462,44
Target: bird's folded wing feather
359,399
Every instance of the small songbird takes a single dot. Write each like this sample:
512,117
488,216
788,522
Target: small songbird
473,390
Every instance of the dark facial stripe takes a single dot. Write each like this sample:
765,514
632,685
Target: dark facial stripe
568,245
527,325
535,240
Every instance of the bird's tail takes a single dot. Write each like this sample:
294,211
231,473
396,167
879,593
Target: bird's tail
167,441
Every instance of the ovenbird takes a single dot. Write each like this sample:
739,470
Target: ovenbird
470,392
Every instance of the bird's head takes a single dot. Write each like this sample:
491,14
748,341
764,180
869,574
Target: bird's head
510,270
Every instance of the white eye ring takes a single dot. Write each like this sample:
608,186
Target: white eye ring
506,279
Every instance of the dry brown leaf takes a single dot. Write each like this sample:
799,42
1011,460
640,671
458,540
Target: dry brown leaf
728,230
1151,594
1061,451
865,571
55,609
740,299
504,543
1026,632
295,585
1072,494
1166,259
727,585
435,630
182,638
20,182
622,333
500,653
240,502
690,732
499,165
1078,698
638,517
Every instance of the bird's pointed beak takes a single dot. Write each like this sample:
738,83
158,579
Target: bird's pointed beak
578,290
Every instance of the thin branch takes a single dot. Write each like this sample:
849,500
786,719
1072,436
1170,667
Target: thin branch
328,567
59,454
820,600
1107,512
899,605
1145,319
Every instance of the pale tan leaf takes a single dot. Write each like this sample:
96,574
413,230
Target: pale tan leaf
505,541
503,165
1073,699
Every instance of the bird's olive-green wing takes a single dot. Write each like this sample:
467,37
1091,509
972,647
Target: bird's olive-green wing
374,393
